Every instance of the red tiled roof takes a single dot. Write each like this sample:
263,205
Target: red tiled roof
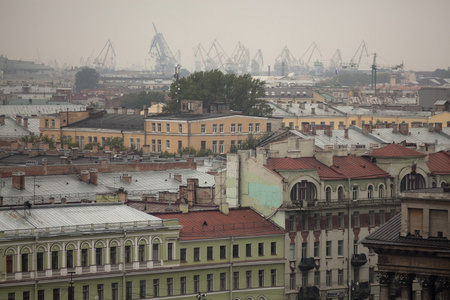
213,224
306,163
439,163
394,150
357,167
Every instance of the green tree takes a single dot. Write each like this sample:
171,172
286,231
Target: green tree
143,98
87,78
242,93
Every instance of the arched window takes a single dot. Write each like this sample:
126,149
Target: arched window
328,194
381,191
303,190
444,184
155,249
370,192
341,193
355,192
412,181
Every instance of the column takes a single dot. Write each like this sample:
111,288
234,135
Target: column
405,281
385,279
428,286
444,283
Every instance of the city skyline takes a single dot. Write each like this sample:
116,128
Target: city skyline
74,31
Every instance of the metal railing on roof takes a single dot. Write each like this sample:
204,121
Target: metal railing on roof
205,228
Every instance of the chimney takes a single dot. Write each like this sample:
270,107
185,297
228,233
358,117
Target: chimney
403,128
374,108
18,180
85,176
126,177
177,177
306,128
224,208
341,126
430,127
2,120
346,133
438,127
416,124
367,128
64,160
51,200
116,110
448,123
144,108
355,105
63,201
320,105
301,105
93,176
313,130
122,195
328,131
25,122
191,191
326,107
313,111
184,208
394,128
74,154
124,110
18,119
137,111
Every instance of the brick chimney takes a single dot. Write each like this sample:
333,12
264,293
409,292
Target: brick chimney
306,128
416,124
403,128
137,111
438,127
430,127
25,122
74,154
63,200
313,111
2,120
122,195
116,110
328,131
301,105
85,176
126,177
341,126
191,189
367,128
18,119
320,105
346,133
394,128
18,180
313,130
124,110
64,160
177,177
93,176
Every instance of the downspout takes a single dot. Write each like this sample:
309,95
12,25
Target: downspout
123,266
35,268
349,243
231,267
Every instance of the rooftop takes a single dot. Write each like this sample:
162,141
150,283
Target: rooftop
394,150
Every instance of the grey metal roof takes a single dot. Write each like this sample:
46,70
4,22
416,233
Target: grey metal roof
112,121
13,130
29,110
441,102
295,110
53,216
40,188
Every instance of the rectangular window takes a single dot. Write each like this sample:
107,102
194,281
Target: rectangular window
304,222
328,278
12,296
214,146
180,145
203,128
153,145
69,259
214,128
248,279
269,127
236,280
239,127
167,127
127,254
183,285
233,128
273,277
53,123
40,261
56,294
316,221
340,247
235,251
371,218
115,291
250,127
317,278
316,249
341,220
340,277
196,284
153,127
221,128
85,292
382,217
209,282
329,221
223,252
84,257
291,125
46,123
141,253
55,258
138,144
371,275
260,249
169,286
223,281
292,251
100,292
257,127
159,146
304,250
304,278
82,142
183,255
159,127
292,285
248,250
328,248
221,147
273,248
170,249
26,295
25,262
131,143
393,212
239,144
209,253
356,219
155,252
41,295
113,255
196,254
203,145
155,287
261,278
98,256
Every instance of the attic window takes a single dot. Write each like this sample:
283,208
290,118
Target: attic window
205,224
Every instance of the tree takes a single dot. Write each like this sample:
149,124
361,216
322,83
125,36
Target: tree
87,78
143,98
242,93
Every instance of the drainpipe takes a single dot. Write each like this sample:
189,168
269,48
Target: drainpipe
35,268
123,265
349,270
231,267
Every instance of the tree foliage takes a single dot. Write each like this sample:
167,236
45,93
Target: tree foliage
87,78
442,73
356,79
242,93
143,98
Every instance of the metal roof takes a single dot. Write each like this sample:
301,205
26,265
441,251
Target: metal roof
112,121
13,130
29,110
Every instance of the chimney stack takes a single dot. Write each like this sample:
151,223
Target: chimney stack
2,120
18,180
126,177
18,119
93,176
430,127
438,127
328,131
394,128
313,111
346,133
313,130
306,128
124,110
116,110
403,128
367,128
177,177
137,111
85,176
25,122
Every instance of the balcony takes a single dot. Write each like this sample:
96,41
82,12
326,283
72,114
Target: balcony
307,264
358,260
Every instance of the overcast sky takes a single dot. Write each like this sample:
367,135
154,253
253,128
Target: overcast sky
413,31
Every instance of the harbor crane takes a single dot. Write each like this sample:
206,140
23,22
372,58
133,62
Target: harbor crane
165,61
106,60
375,67
257,63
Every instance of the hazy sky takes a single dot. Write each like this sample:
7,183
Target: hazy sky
413,31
